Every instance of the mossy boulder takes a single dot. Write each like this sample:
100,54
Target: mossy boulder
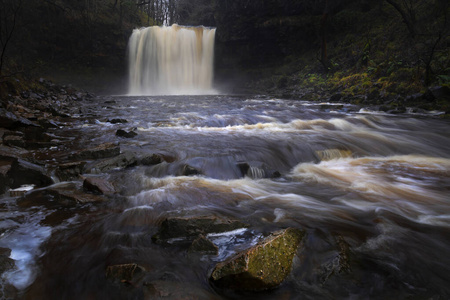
263,266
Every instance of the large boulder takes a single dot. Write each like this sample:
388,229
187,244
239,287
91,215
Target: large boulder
263,266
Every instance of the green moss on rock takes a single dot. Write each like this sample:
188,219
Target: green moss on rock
261,267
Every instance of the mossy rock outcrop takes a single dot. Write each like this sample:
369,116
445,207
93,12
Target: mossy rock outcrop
263,266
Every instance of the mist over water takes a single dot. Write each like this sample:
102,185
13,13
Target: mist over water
379,183
173,60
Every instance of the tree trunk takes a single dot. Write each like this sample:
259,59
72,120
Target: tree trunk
408,19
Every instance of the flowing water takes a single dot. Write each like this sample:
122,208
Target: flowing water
378,184
171,60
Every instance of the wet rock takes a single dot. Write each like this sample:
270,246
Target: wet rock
150,160
102,151
121,161
163,289
126,134
204,246
117,121
99,185
14,141
23,173
339,263
5,167
9,120
440,92
6,263
192,227
70,171
70,193
261,267
187,170
125,272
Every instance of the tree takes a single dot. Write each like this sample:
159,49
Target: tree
9,13
407,10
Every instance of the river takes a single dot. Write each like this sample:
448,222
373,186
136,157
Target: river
378,183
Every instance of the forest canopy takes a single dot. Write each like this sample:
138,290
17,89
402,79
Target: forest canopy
400,46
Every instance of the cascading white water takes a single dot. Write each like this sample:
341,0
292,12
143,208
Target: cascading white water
171,60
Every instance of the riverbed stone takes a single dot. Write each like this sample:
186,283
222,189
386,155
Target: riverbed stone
125,272
70,171
263,266
70,193
191,227
126,134
151,159
9,120
163,289
117,121
105,150
14,141
98,185
23,172
339,263
120,161
6,263
257,170
188,170
203,246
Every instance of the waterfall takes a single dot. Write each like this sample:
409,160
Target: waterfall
171,60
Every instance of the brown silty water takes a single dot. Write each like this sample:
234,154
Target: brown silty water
377,183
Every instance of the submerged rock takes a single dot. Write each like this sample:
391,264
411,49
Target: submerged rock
204,246
125,272
117,121
150,160
188,171
330,154
192,227
163,289
99,186
263,266
126,134
257,170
